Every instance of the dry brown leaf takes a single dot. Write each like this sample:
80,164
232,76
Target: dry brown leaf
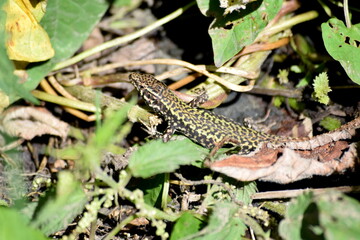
321,155
291,166
326,152
138,222
28,122
27,40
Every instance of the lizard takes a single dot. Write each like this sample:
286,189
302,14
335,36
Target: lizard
209,129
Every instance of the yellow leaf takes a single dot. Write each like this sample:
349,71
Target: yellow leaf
27,40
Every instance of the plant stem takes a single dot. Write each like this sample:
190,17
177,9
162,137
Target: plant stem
289,23
346,12
117,229
64,101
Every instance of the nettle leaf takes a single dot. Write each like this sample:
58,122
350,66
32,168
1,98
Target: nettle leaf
341,222
321,88
290,227
186,225
245,190
14,225
58,209
68,23
230,33
315,217
158,157
342,44
224,223
152,189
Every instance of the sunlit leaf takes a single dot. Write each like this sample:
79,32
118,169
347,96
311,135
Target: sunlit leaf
27,41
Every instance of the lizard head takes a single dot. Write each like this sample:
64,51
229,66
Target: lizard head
149,87
147,84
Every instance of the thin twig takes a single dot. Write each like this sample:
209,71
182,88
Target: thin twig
297,192
346,13
200,69
60,88
297,93
11,145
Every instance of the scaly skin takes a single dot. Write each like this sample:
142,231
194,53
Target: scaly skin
201,126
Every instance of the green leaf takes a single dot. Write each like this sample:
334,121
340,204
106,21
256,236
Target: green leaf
152,190
342,44
330,123
290,227
113,120
186,225
230,33
321,88
342,221
13,175
10,86
244,191
122,3
68,23
105,135
14,226
315,217
158,157
57,210
223,224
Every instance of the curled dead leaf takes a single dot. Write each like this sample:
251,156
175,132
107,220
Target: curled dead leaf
291,166
28,122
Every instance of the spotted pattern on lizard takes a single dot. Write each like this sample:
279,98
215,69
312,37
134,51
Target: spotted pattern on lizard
202,126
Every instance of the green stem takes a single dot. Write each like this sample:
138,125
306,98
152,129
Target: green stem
122,224
124,39
64,101
289,23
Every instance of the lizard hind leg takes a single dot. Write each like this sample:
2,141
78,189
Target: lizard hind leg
224,141
244,148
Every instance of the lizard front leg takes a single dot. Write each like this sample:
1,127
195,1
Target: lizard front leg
169,131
